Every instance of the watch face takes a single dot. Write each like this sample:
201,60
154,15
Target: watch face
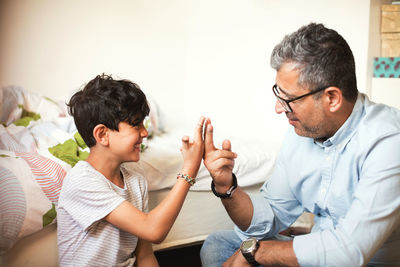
248,249
247,244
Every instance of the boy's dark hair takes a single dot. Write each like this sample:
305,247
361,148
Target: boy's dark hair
322,56
107,101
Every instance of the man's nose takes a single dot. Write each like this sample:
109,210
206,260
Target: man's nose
278,107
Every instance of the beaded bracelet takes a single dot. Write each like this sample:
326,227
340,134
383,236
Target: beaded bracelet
188,179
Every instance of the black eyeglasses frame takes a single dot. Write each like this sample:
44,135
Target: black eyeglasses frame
285,102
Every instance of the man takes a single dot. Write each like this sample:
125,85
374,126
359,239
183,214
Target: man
339,161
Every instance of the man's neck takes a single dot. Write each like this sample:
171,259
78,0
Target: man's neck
338,119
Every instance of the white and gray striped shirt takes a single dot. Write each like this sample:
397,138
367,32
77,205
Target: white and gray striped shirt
84,238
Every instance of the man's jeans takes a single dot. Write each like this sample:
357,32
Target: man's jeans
219,246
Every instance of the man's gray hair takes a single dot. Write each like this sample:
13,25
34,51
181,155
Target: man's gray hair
322,57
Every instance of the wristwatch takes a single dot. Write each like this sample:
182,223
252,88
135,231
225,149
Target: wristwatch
248,249
230,190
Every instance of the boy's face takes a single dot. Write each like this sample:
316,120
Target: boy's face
125,144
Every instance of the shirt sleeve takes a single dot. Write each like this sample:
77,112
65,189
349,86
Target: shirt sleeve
372,218
145,196
88,199
275,209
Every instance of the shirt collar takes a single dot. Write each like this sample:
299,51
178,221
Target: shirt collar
346,131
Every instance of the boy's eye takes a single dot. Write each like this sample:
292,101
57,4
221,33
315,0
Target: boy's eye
138,126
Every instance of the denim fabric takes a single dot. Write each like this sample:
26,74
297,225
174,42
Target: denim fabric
219,246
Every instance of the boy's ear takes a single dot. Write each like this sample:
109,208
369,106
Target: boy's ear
100,134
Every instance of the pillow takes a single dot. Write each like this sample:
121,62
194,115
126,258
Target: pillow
30,183
16,102
29,188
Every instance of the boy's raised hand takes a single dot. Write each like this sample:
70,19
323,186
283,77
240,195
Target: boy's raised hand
219,162
193,150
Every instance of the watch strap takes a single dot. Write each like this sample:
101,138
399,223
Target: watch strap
250,259
228,193
249,256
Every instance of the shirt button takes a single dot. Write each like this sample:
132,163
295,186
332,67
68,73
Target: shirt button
323,190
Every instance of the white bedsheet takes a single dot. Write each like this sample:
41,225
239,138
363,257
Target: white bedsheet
162,160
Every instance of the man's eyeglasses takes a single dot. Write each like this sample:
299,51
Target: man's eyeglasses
285,102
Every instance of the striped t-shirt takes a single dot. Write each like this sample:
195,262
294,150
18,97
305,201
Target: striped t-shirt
84,237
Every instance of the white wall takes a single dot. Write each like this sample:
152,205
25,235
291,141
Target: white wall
382,90
194,57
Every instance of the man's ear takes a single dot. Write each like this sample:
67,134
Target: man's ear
333,98
100,133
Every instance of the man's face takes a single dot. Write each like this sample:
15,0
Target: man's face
308,117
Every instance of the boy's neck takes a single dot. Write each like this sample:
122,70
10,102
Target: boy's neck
110,169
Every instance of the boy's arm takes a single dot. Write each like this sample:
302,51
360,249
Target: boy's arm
145,255
155,225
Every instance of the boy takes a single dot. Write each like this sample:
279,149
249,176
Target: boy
103,217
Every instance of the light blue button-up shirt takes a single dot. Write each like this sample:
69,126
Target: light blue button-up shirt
351,182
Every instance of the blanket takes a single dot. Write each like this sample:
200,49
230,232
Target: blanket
39,144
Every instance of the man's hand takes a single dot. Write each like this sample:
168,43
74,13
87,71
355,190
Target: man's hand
219,162
270,253
236,260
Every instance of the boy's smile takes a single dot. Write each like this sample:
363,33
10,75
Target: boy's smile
125,144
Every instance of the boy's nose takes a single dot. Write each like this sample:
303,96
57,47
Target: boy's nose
144,133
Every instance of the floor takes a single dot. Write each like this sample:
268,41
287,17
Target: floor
185,256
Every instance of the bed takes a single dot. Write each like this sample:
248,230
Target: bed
39,144
202,212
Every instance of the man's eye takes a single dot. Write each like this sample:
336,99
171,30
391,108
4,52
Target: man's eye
285,97
281,94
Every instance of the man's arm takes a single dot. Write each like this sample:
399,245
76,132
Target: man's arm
239,208
270,253
219,163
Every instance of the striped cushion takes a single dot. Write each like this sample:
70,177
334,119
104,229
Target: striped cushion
30,185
